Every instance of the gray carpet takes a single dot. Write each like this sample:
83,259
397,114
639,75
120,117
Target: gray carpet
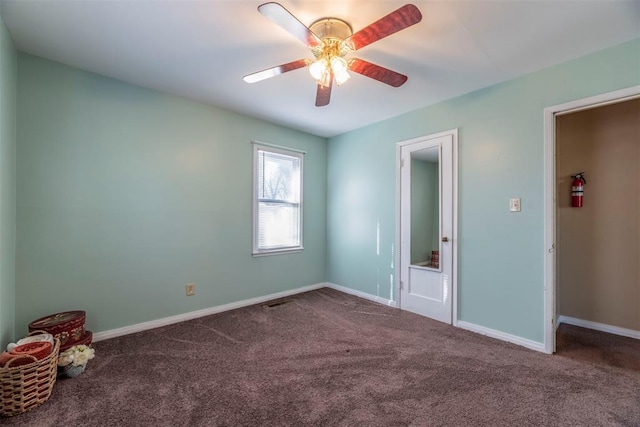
327,358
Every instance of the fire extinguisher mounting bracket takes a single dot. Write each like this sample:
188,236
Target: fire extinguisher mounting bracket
579,175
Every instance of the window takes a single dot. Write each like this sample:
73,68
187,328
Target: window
277,201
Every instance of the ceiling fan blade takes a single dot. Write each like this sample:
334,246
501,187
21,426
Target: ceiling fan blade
284,18
323,96
397,20
377,72
275,71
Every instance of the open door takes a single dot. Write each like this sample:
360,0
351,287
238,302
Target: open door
551,226
427,239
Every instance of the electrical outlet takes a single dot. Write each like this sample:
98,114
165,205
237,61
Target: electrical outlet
191,289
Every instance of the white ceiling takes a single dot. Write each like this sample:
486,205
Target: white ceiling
201,49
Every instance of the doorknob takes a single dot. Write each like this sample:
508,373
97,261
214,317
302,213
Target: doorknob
445,239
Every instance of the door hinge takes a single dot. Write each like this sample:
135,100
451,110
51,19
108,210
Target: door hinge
401,163
401,284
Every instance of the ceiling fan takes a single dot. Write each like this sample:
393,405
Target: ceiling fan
330,41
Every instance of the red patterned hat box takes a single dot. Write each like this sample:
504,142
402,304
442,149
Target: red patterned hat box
86,339
68,327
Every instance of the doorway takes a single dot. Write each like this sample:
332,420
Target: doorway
560,219
427,216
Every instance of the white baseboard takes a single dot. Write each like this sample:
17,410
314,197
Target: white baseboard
514,339
138,327
363,295
616,330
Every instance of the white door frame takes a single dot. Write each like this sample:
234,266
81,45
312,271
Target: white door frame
550,114
454,238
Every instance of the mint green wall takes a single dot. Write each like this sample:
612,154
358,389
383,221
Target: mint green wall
126,194
8,64
500,156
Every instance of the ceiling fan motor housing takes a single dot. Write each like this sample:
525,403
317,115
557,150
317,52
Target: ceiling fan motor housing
332,32
331,28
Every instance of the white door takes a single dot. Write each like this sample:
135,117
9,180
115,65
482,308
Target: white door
426,226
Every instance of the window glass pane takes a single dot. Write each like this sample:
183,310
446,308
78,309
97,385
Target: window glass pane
280,177
279,225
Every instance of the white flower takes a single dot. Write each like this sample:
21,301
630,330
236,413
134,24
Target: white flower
76,355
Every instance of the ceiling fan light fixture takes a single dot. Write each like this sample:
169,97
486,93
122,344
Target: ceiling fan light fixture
340,66
321,72
318,68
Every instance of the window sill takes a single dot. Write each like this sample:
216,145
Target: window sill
277,252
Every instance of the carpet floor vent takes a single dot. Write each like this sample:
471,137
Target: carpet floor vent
276,303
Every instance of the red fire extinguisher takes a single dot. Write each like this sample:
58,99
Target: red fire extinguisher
577,189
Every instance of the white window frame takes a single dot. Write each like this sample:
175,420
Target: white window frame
263,146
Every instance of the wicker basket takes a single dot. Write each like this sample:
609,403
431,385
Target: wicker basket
27,386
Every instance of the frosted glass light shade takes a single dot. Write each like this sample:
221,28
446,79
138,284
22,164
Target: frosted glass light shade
318,68
339,66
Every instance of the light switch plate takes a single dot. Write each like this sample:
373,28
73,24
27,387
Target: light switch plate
514,205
